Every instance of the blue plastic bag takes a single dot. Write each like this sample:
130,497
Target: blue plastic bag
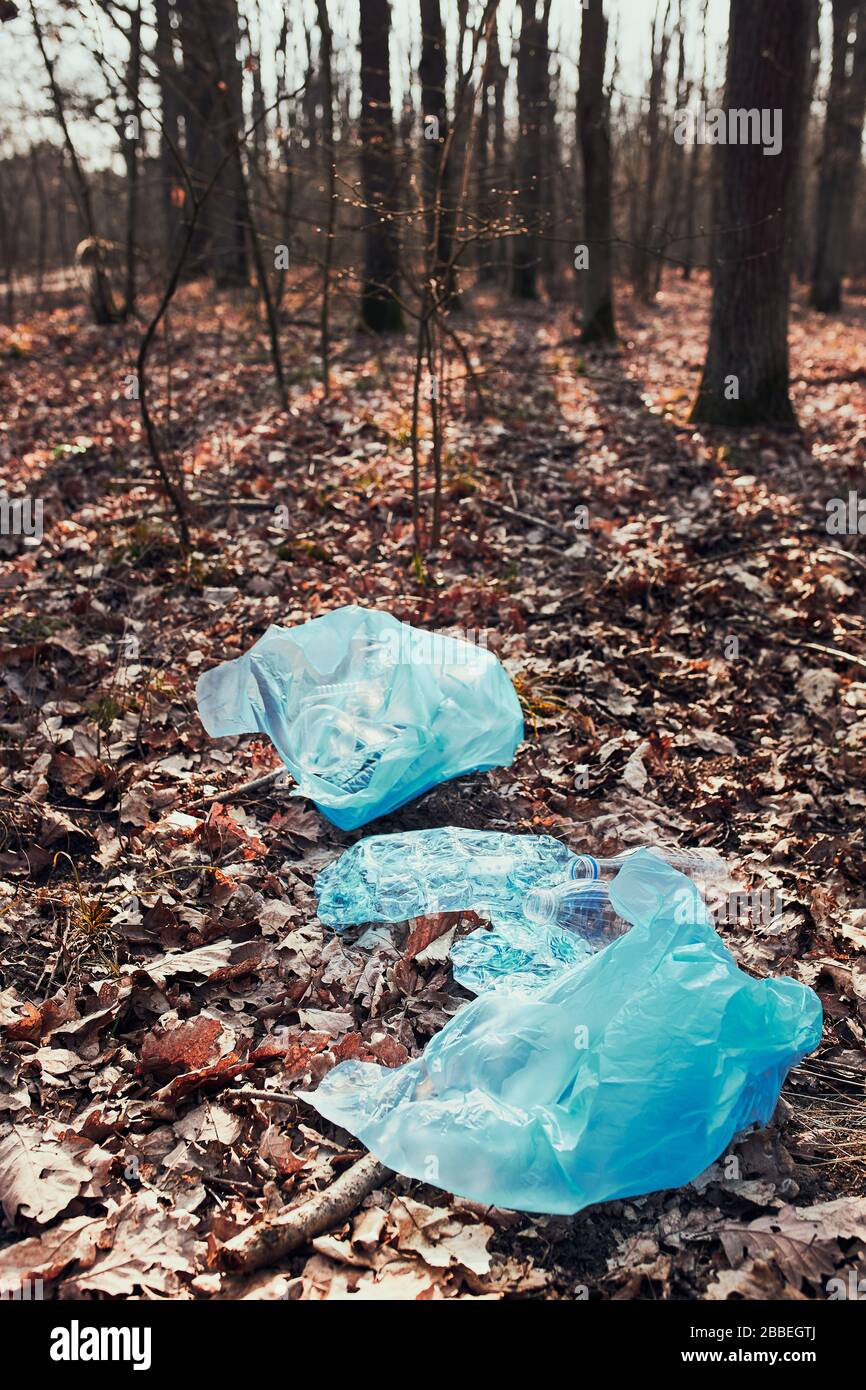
365,711
628,1073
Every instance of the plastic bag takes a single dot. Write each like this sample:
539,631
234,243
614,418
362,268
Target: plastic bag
626,1074
366,712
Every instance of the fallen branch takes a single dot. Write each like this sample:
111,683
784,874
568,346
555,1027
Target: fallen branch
232,793
268,1241
280,1097
521,516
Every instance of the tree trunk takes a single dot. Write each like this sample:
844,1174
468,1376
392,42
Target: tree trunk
644,248
594,127
380,307
745,377
673,182
840,157
436,147
491,160
325,62
285,129
802,253
531,91
213,117
694,164
551,187
101,297
173,191
131,136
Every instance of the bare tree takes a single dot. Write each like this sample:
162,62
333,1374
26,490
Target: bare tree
593,118
436,146
213,120
172,189
92,252
840,156
691,195
532,62
326,62
131,129
645,228
745,377
380,306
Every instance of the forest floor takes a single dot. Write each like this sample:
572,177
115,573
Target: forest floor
698,648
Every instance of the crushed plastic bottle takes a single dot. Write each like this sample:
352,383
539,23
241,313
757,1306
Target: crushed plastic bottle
391,878
559,927
365,711
625,1074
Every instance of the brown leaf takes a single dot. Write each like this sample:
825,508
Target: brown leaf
40,1174
181,1047
427,930
143,1249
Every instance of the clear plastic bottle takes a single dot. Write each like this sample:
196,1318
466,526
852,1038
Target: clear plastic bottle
393,877
700,865
583,909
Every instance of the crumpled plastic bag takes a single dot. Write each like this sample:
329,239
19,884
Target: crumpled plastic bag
365,711
515,957
629,1073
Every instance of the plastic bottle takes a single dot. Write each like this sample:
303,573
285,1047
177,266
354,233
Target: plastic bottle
393,877
583,909
697,864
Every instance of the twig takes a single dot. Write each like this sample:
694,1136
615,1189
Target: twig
232,793
268,1241
520,516
281,1097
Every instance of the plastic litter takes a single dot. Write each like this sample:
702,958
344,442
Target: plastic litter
705,866
365,711
584,909
627,1073
391,878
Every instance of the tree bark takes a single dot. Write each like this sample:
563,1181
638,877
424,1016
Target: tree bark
325,62
213,118
380,307
491,157
646,229
745,377
172,189
802,252
436,161
840,157
594,127
694,167
531,92
131,138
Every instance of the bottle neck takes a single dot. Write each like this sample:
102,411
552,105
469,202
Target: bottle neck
585,867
